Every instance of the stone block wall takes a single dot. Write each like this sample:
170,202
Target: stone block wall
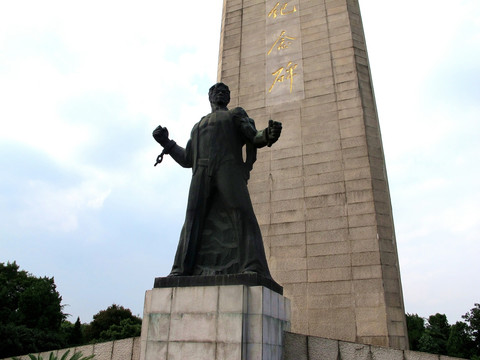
304,347
297,347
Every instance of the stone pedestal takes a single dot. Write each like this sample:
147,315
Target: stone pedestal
214,322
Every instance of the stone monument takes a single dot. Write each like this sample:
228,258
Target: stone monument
322,197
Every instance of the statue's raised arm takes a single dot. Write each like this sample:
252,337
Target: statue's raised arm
179,154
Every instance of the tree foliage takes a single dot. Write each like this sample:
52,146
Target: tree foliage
437,336
31,313
473,320
52,356
434,340
126,329
73,333
32,318
460,344
416,328
114,323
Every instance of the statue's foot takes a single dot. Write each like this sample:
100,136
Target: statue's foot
248,272
172,274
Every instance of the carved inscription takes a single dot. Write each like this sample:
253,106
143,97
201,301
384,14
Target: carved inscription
283,51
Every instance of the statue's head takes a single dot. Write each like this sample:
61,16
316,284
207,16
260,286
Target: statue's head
219,94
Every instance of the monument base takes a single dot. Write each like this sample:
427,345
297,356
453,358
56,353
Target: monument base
249,279
214,322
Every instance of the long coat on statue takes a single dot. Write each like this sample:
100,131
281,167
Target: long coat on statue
221,233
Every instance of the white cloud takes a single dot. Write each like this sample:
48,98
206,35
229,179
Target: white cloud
57,210
114,48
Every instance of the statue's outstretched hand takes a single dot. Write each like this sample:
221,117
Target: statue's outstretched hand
160,134
274,130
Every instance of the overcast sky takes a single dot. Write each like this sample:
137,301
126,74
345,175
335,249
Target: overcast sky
83,84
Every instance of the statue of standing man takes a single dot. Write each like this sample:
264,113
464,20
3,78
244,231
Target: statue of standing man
221,233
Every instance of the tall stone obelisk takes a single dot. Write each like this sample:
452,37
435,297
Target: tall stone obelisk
321,195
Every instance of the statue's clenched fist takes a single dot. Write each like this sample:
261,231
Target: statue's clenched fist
160,134
274,130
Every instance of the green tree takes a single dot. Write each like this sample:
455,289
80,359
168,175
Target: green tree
427,343
459,343
435,338
108,323
31,313
76,337
415,328
128,328
472,319
72,333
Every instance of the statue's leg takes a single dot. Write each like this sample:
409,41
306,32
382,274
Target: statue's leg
233,193
184,262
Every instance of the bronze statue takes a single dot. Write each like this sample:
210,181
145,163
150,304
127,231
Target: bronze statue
221,233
